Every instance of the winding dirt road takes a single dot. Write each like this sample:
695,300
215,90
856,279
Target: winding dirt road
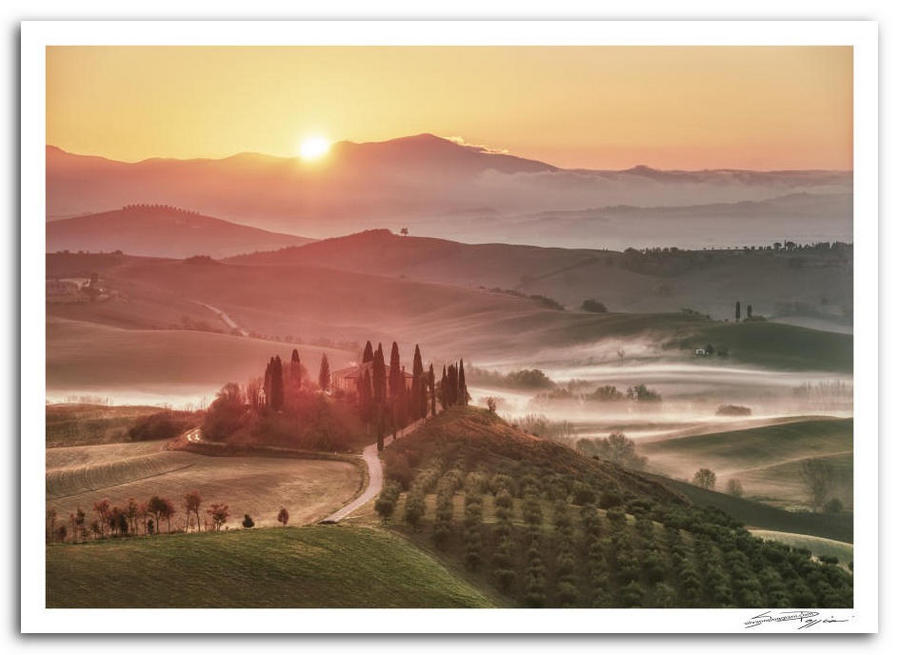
376,476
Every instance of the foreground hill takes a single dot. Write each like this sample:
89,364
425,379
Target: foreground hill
447,187
812,283
276,567
547,527
161,231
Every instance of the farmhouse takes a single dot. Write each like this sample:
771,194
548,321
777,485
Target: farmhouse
347,379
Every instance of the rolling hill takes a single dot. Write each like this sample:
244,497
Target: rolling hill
161,231
299,299
277,567
815,282
767,460
449,189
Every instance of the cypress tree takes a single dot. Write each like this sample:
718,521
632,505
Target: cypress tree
379,381
267,382
452,385
737,311
431,388
296,371
368,355
396,376
417,407
463,396
324,373
444,388
277,384
749,311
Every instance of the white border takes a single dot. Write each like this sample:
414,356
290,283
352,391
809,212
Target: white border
861,35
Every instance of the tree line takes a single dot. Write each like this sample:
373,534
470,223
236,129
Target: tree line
143,518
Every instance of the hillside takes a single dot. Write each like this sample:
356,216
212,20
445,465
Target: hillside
161,231
812,283
314,301
179,366
547,527
446,188
277,567
767,460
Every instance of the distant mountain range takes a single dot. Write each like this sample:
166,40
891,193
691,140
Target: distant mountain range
161,231
441,188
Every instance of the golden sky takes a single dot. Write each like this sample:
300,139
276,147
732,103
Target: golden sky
591,107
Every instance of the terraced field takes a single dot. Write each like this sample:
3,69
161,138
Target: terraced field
259,486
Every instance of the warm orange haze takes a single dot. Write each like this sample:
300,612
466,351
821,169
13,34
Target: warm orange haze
518,327
763,108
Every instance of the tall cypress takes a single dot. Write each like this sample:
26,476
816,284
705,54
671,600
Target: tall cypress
431,388
737,310
452,385
324,373
368,355
379,377
267,382
444,388
277,384
396,375
296,371
417,407
463,395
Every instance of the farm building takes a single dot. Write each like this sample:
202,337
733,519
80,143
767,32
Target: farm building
347,379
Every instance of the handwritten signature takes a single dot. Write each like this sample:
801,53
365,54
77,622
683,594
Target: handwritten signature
805,618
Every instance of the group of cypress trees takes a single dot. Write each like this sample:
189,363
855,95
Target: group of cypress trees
273,382
453,386
385,401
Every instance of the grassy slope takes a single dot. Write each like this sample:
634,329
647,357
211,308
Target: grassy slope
777,345
259,486
339,303
572,275
83,355
818,546
320,566
758,447
758,515
82,425
767,460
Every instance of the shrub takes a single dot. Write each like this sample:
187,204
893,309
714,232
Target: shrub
735,488
595,306
583,495
834,506
162,425
247,522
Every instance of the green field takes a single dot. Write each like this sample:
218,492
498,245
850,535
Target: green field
816,545
776,345
767,460
319,566
758,515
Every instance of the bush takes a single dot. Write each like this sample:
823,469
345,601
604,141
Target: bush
247,522
583,495
732,410
735,488
162,425
594,306
834,506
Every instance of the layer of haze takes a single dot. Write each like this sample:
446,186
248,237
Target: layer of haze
589,107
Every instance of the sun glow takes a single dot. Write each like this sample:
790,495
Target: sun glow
314,147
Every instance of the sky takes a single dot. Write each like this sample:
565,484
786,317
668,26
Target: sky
691,108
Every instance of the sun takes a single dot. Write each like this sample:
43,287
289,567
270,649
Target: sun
314,147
